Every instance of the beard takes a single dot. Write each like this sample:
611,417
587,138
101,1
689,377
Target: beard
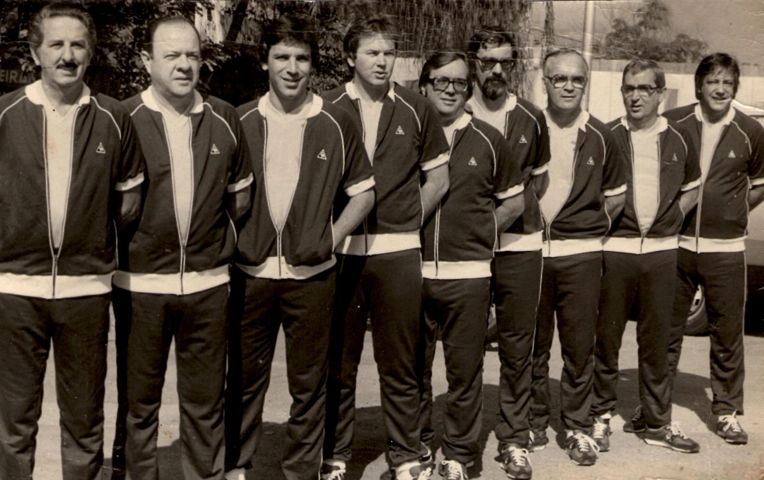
493,88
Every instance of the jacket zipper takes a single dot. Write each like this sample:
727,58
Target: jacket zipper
182,264
570,189
698,216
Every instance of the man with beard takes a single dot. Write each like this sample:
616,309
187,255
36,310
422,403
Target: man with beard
639,258
587,189
70,168
380,271
517,263
711,243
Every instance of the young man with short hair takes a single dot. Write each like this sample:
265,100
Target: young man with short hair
711,243
71,168
173,277
458,241
314,185
518,260
640,254
587,189
380,274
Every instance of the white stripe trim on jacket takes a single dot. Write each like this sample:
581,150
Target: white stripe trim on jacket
572,246
459,270
637,245
66,286
520,242
712,245
379,244
276,268
181,283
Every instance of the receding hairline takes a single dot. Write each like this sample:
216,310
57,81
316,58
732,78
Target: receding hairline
561,55
172,21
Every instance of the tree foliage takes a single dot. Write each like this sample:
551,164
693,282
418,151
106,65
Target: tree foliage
650,36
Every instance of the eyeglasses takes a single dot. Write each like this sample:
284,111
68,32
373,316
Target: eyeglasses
441,84
559,81
487,64
643,91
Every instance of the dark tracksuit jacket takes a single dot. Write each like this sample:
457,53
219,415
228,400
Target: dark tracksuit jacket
153,258
333,167
106,158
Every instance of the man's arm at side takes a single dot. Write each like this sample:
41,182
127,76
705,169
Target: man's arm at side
355,211
239,202
755,196
540,184
436,183
508,211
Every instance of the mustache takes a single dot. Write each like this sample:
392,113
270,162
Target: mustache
67,65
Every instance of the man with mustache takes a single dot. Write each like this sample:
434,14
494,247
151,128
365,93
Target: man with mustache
711,243
70,168
640,255
587,187
380,272
314,185
517,263
173,276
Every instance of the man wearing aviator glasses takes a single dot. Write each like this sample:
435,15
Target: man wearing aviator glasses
587,190
517,262
640,257
458,243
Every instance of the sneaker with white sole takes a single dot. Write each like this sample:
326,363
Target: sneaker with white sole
601,432
453,470
516,462
581,449
332,469
637,422
537,440
728,427
670,436
420,469
235,474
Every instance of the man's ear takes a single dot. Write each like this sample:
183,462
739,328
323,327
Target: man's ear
423,91
264,66
34,56
351,60
146,59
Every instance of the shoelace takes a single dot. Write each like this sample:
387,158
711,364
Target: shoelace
585,442
519,456
676,431
599,430
637,414
337,473
731,423
453,470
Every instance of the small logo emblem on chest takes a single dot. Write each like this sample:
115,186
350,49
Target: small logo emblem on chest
321,155
399,131
522,139
590,161
674,159
100,148
472,162
732,154
214,150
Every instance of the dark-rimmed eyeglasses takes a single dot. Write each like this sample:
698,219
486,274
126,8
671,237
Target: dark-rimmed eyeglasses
487,64
441,84
559,81
643,91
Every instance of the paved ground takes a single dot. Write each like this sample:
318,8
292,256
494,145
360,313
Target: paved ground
629,457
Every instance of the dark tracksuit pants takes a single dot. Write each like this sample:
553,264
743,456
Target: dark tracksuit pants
458,310
517,284
570,287
197,321
79,329
388,289
723,276
646,281
258,307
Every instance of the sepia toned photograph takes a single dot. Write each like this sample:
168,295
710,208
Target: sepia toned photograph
381,239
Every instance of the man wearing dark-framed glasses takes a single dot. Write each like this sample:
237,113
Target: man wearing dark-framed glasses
517,261
485,196
640,258
587,190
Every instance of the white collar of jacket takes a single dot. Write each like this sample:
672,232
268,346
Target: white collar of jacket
724,121
662,123
580,122
36,95
266,108
461,122
149,99
353,92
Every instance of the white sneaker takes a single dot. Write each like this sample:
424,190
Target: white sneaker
235,474
332,469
